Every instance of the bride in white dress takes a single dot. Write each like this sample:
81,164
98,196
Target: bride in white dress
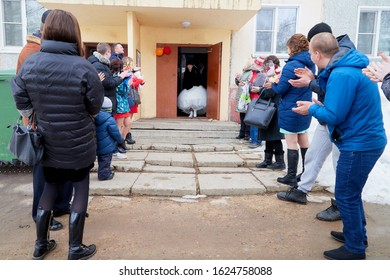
192,99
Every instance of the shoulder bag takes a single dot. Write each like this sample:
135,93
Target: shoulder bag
26,143
260,113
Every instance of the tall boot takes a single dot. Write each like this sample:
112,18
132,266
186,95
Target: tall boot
267,160
292,164
129,139
43,245
279,163
77,250
303,154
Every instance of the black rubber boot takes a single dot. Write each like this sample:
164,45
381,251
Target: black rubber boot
292,164
77,250
43,245
303,154
129,139
267,160
278,164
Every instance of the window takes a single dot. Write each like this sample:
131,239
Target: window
374,31
11,21
274,26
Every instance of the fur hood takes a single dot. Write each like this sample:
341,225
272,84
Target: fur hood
101,58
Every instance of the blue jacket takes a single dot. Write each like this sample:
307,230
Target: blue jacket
352,108
288,119
122,92
107,134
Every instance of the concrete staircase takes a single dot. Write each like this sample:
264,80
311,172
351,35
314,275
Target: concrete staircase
184,131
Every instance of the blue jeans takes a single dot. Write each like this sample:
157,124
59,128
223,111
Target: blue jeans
352,172
253,135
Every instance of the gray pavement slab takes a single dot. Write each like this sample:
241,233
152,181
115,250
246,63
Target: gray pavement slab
128,166
165,184
268,179
119,185
170,159
230,184
205,170
219,160
169,169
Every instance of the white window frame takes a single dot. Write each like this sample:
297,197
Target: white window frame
274,32
12,49
378,12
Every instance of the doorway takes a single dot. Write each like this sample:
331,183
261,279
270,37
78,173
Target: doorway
169,71
198,57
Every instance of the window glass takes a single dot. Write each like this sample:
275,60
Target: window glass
367,22
12,20
384,38
287,21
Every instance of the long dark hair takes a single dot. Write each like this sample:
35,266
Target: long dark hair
63,26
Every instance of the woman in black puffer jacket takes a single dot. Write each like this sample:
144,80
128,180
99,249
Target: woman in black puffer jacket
65,92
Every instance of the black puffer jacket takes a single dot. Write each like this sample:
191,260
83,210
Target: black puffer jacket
110,82
65,92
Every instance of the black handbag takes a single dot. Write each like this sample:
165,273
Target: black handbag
135,95
26,143
260,113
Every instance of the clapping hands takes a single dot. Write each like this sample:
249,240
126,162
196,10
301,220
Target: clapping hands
378,70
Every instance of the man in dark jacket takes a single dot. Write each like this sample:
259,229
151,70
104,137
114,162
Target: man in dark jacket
118,52
100,59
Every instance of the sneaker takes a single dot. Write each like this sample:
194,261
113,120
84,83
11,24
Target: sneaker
254,145
119,156
108,178
195,115
343,254
121,150
191,114
330,214
293,195
339,236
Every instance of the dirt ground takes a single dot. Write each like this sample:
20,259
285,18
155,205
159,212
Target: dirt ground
258,227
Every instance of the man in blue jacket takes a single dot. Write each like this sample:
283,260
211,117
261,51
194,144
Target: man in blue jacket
352,111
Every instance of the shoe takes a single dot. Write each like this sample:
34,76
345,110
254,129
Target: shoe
267,161
246,138
119,156
55,225
121,150
254,145
278,164
293,195
330,214
343,254
191,114
77,250
43,244
108,178
129,139
292,163
240,137
339,236
195,115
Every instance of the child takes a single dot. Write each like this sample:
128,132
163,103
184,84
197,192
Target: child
107,135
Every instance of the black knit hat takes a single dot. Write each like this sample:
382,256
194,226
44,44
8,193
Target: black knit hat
318,28
44,16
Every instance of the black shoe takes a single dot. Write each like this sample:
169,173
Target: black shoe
40,253
246,138
289,179
121,150
240,137
293,195
339,236
108,178
129,139
330,214
299,177
343,254
55,225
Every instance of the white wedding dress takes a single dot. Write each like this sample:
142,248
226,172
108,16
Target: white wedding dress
194,98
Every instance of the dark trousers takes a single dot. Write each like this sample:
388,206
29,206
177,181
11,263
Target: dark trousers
62,202
104,166
244,129
274,147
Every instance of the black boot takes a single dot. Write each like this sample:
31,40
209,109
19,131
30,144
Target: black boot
278,164
43,245
303,154
267,160
77,250
129,139
292,164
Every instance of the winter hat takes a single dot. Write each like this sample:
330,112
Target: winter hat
258,63
318,28
44,16
107,104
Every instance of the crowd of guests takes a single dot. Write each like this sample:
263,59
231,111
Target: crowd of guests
350,124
